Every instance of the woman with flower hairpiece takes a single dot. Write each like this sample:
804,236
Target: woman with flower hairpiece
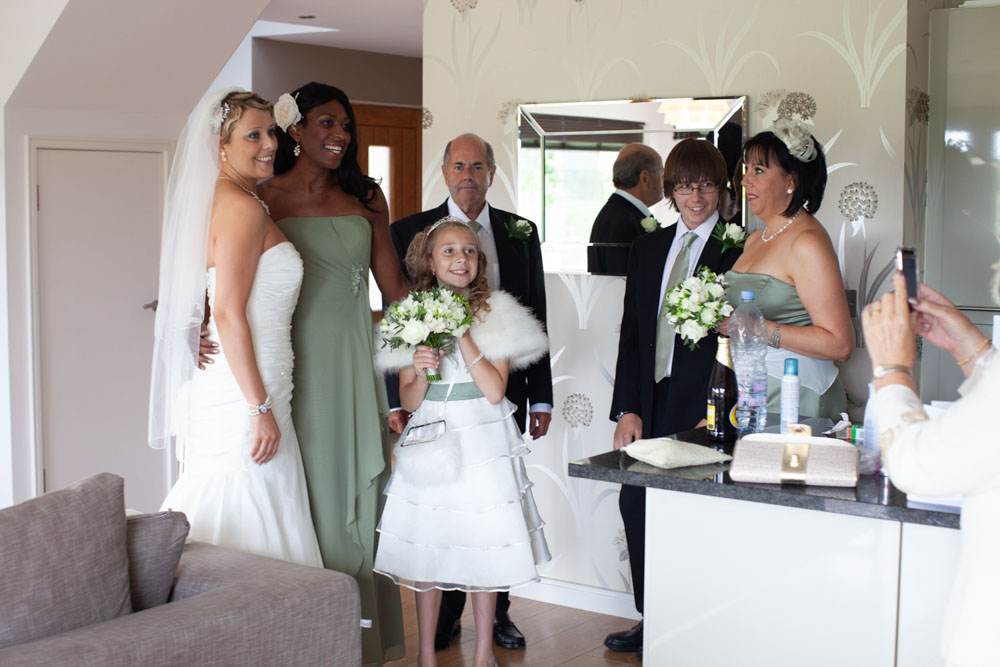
338,219
241,482
792,267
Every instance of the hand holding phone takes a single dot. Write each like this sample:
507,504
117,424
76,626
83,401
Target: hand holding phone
906,262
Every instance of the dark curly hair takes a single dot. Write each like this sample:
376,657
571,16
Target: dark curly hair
418,264
810,177
348,176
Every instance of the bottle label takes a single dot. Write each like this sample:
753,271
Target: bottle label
732,417
710,418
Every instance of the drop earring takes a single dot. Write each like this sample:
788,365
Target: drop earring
222,154
297,151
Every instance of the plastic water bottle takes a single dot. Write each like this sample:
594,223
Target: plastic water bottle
748,334
871,426
790,394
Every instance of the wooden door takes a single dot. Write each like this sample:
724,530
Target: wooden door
97,237
396,129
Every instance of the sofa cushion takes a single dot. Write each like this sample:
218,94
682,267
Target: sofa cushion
64,560
155,543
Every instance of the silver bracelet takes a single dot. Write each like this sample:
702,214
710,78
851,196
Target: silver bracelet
775,339
261,409
474,362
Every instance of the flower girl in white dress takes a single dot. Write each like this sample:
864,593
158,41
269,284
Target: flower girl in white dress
459,513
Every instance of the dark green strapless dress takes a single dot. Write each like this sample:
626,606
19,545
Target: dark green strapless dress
339,409
779,302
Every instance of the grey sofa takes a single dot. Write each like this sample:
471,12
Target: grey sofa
81,586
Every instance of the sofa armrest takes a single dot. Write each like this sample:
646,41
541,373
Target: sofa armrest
227,608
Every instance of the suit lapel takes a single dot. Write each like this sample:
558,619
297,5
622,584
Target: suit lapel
498,223
649,307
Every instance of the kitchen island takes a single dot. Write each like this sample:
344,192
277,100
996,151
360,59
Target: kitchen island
762,574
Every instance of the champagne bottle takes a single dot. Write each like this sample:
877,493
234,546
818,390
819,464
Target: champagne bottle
722,395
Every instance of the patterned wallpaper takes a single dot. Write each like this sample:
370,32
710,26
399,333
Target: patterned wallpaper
850,58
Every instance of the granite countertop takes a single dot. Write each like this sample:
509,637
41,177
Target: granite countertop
874,497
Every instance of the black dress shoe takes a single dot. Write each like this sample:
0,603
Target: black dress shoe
627,641
446,629
505,633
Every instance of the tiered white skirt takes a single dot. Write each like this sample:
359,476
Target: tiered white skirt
459,513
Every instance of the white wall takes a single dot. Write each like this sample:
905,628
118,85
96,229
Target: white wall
22,31
145,67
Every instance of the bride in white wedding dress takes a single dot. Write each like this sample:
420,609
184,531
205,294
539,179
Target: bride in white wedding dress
241,483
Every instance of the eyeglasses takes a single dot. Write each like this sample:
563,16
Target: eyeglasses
685,189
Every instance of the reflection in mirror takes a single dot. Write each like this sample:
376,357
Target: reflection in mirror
567,150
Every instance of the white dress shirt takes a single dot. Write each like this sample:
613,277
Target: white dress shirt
635,202
489,246
486,240
703,232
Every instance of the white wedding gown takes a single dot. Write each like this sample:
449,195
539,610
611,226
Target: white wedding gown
228,499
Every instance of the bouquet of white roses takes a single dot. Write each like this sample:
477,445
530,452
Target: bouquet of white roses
696,305
429,318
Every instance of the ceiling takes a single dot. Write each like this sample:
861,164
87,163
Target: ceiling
382,26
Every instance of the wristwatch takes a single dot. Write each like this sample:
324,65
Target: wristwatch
261,409
621,414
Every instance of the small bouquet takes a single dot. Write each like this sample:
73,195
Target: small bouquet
696,305
730,235
649,223
429,318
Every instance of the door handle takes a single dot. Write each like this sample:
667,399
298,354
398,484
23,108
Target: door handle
151,305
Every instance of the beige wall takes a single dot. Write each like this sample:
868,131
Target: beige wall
850,56
375,78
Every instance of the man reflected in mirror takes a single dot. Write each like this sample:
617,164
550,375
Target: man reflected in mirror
638,179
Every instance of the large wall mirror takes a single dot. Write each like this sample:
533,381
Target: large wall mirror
566,152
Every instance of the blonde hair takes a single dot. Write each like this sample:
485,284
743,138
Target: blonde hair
238,103
419,263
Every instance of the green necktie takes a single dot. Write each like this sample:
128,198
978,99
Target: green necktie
474,226
665,330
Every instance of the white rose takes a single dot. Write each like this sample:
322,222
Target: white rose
649,223
674,297
686,304
708,317
726,310
414,332
286,112
714,290
523,226
693,331
460,331
733,232
692,283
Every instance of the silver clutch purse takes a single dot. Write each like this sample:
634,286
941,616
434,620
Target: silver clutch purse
795,457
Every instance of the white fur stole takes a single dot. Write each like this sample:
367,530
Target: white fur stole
508,331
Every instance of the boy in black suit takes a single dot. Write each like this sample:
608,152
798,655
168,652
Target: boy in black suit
660,385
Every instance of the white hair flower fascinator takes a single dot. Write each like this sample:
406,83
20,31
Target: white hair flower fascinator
286,112
789,116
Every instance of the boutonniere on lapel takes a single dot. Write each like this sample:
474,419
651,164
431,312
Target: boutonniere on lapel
730,235
649,223
518,229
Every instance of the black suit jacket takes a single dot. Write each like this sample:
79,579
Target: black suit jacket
618,221
690,369
520,274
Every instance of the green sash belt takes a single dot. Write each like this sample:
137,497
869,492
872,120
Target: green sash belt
462,391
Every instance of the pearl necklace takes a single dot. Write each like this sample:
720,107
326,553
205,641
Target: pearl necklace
764,238
251,193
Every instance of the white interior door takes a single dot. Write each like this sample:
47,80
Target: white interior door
97,255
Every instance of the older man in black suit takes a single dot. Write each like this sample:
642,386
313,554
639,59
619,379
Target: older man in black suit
638,179
514,264
660,385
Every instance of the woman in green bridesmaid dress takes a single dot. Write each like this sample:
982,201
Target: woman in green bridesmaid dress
792,267
338,220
